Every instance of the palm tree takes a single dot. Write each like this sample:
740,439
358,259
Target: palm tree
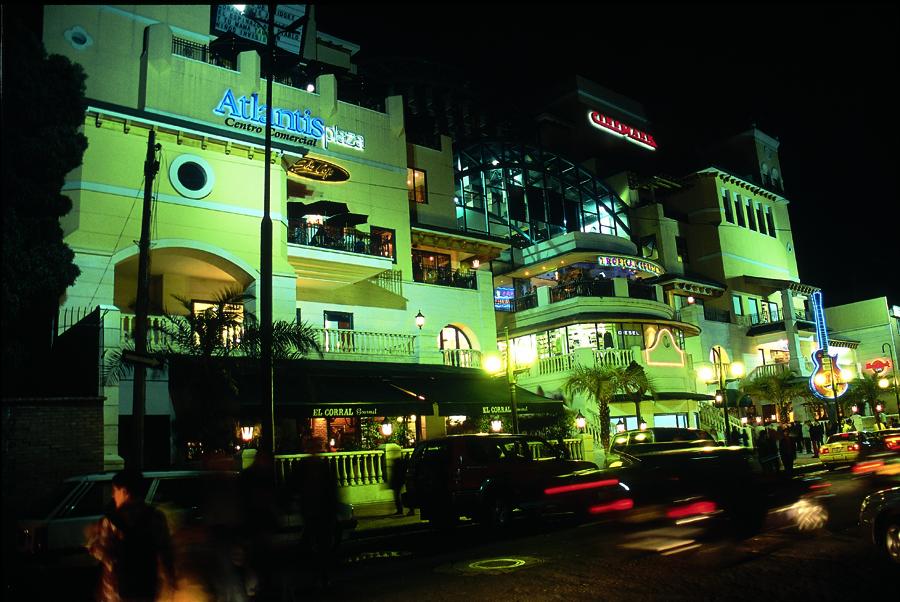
598,384
863,390
779,388
212,346
603,383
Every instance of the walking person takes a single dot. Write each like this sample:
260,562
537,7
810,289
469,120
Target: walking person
133,546
787,450
815,436
398,479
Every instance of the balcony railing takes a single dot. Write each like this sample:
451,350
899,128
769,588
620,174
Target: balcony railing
340,239
445,277
641,291
768,370
360,342
200,52
717,315
581,288
563,363
462,358
514,304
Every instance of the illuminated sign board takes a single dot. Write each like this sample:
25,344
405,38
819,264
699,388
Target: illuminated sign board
302,127
630,263
249,23
317,169
344,412
617,128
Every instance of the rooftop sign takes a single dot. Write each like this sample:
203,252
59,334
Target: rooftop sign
623,130
630,263
249,22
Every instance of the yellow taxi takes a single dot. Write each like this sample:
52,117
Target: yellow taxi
845,448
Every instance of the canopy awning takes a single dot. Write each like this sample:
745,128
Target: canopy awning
330,389
666,396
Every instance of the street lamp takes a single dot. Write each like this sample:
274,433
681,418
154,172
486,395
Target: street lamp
580,421
492,364
706,374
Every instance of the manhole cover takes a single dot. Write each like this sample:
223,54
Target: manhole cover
489,566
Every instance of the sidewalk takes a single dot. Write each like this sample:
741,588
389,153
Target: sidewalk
381,515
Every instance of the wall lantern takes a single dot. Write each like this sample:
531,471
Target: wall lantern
580,421
774,418
691,300
743,420
496,425
475,264
620,426
386,427
759,420
854,408
246,434
310,87
878,407
420,319
643,425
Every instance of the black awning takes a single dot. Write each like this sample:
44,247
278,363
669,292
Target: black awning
666,396
476,394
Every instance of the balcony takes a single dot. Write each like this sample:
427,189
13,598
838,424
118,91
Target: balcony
445,277
564,363
514,304
582,288
462,358
333,257
202,53
341,342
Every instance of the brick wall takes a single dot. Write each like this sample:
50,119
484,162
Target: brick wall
46,440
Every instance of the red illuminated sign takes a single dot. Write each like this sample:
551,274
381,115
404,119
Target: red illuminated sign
613,126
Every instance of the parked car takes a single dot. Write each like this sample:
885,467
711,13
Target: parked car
720,488
846,448
637,442
879,518
187,497
488,476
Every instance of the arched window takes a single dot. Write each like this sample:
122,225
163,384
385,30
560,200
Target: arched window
452,337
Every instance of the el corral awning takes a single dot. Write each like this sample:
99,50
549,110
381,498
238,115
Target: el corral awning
334,389
329,389
474,395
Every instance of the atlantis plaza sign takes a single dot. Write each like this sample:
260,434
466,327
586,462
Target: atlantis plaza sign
245,113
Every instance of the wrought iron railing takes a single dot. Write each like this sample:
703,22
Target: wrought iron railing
581,288
202,53
340,239
717,315
445,277
514,304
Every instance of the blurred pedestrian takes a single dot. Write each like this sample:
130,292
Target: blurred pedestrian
745,438
733,437
815,434
787,450
319,507
133,546
807,440
398,480
252,543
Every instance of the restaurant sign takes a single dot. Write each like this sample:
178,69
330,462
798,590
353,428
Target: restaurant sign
623,130
344,411
630,263
317,169
246,113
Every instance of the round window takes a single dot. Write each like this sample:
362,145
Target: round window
191,176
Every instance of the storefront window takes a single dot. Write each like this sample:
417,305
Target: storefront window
630,335
582,335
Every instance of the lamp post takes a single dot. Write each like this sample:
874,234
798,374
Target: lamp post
737,370
890,352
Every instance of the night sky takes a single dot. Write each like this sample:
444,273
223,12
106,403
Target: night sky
819,78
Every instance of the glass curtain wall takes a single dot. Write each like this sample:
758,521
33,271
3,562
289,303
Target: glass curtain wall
615,335
527,195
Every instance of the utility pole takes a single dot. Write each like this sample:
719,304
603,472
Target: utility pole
267,434
139,396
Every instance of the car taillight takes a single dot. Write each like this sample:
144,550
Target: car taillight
892,442
692,509
853,447
580,486
863,467
624,503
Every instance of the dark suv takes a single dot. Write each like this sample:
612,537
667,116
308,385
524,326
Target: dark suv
485,476
655,439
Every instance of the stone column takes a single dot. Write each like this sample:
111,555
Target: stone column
790,328
110,342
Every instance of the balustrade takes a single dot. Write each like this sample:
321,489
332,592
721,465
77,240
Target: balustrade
554,364
334,340
613,357
462,358
350,469
574,449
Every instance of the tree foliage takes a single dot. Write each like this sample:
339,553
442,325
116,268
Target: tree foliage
42,112
780,389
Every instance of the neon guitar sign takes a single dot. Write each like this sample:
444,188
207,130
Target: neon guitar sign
826,381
